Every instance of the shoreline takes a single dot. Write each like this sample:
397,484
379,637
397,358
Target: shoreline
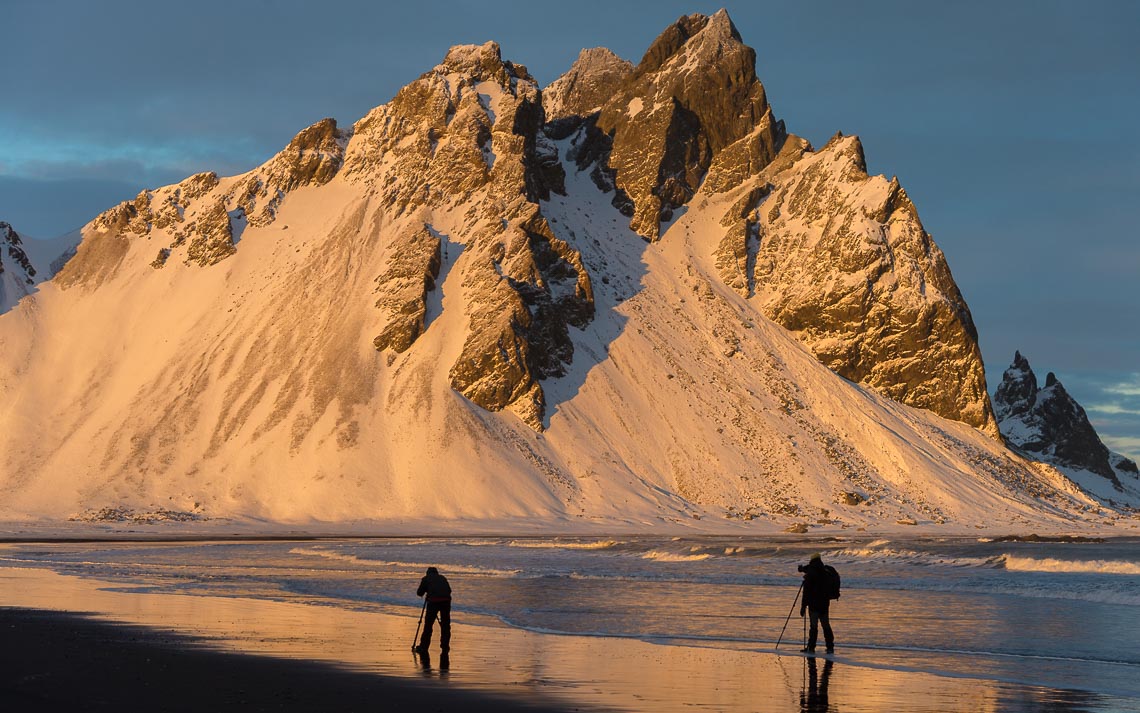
540,670
86,533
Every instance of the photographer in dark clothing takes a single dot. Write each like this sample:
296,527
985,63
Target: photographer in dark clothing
821,585
438,592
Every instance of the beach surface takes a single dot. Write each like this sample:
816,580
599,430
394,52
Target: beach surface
179,652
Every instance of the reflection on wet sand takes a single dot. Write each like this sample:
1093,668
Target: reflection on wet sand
813,697
591,672
424,660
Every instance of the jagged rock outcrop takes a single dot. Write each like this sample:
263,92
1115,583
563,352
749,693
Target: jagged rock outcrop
841,259
693,96
312,158
1048,423
470,131
413,267
586,87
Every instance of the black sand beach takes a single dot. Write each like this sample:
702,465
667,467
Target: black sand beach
56,661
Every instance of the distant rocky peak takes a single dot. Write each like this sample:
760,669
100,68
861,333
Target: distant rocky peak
12,252
1017,392
1050,424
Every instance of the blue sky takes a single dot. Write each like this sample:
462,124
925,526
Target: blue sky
1011,124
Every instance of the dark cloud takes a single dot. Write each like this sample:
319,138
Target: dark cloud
45,208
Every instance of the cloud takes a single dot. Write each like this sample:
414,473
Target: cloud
1113,408
1128,445
149,161
1126,388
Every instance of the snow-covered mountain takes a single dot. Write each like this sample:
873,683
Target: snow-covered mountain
24,263
634,299
17,274
1049,424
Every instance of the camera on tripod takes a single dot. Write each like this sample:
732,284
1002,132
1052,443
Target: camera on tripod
801,568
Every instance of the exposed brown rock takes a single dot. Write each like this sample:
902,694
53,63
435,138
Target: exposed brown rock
193,216
212,237
842,260
470,131
694,94
586,86
312,158
413,267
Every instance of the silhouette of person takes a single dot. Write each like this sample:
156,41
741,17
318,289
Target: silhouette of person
817,602
814,700
438,603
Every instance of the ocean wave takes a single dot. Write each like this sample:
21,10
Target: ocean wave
912,557
659,556
448,569
556,545
1033,564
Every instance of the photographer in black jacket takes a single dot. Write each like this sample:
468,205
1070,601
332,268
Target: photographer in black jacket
438,592
820,587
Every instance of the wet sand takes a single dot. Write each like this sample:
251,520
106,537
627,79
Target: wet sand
295,656
56,661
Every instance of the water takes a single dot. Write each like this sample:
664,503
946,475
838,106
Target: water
1065,616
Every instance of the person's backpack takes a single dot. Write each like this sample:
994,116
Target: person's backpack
831,582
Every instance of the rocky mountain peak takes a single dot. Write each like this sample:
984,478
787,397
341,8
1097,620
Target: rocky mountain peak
1050,424
1017,392
693,96
841,259
671,40
483,63
469,132
586,86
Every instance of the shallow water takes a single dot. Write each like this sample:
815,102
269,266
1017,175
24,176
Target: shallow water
1060,619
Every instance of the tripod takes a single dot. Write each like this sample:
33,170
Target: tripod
421,621
790,617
